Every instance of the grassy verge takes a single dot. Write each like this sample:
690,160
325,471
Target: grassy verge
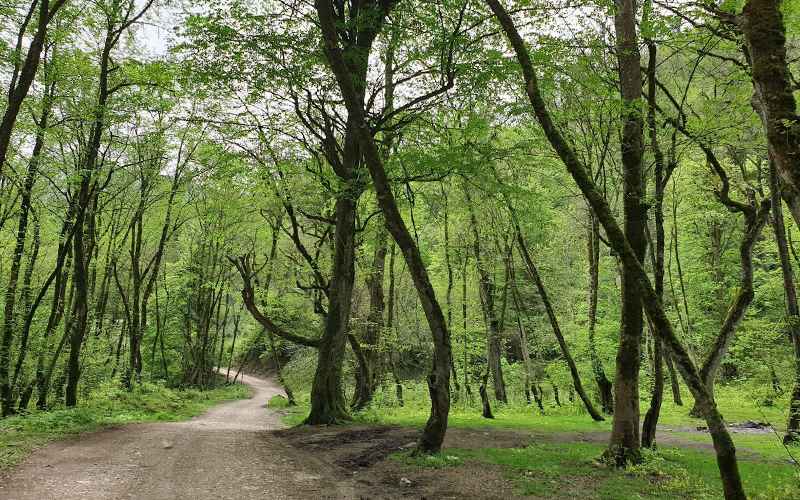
109,405
569,470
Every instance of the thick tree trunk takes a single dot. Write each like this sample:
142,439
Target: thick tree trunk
439,378
328,405
723,444
624,443
762,24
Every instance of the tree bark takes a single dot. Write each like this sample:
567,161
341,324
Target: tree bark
604,387
723,444
762,24
439,378
792,309
625,439
493,348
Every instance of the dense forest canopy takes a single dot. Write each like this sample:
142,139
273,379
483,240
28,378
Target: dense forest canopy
492,200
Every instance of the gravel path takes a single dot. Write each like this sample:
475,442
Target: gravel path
223,454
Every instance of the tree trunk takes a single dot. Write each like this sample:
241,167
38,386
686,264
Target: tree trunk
792,309
439,377
604,386
493,348
449,295
723,444
368,376
762,24
650,423
624,443
327,397
755,219
9,316
533,272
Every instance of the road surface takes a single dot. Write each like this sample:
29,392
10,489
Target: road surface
226,453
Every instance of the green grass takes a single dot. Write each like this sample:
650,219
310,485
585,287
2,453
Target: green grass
562,470
278,402
569,468
108,405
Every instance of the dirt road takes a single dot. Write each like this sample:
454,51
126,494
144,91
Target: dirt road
226,453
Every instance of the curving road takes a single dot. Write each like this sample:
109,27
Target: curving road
224,454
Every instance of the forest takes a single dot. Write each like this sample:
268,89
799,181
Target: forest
461,248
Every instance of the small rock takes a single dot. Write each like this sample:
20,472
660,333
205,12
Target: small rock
166,445
405,481
408,445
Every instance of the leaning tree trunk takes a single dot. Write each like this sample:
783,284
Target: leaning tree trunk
533,272
439,377
761,23
723,444
551,315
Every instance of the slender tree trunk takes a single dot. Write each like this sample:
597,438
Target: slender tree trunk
9,316
792,309
449,295
604,387
551,316
464,335
367,378
493,348
755,219
26,303
523,337
650,423
390,324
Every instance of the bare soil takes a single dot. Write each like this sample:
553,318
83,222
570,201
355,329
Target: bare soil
227,453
